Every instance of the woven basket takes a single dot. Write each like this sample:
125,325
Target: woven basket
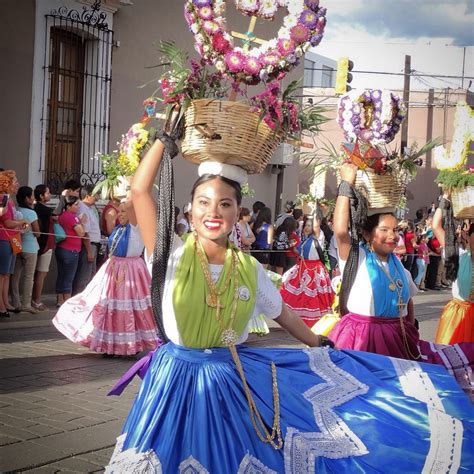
463,203
381,191
227,132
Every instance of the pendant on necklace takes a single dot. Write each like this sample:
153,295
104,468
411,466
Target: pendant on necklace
229,337
212,301
392,287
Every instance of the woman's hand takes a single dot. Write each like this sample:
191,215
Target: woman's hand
348,172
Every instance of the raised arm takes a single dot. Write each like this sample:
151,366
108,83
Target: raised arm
437,226
143,202
341,213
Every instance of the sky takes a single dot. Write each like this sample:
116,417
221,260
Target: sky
377,34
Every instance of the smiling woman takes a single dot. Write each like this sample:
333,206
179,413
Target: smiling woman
258,409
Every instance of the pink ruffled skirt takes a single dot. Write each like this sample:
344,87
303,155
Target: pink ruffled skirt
113,315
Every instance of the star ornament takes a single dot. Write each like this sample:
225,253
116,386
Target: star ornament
364,156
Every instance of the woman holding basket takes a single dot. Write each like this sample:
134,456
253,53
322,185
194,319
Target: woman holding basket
209,404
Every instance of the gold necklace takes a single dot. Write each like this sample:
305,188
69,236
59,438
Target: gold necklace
212,298
229,338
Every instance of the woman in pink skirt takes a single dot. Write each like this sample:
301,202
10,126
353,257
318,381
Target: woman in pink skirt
113,315
306,287
376,293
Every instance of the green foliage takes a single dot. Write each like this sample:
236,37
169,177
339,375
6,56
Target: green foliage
458,179
247,191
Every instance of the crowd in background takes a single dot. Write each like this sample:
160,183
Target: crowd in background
79,247
32,231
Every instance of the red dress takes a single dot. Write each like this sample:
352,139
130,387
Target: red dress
306,287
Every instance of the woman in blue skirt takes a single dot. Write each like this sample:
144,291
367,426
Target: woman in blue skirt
208,404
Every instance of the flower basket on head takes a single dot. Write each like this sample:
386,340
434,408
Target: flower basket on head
227,132
382,191
463,203
460,183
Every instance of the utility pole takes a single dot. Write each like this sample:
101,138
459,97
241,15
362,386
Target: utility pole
406,100
463,65
445,115
429,126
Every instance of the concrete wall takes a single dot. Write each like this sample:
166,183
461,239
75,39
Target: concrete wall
137,27
16,52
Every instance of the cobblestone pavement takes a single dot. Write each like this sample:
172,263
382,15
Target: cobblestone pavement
54,413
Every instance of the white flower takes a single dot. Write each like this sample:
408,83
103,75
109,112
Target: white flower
284,33
194,28
250,6
295,7
290,21
272,43
220,66
347,114
268,8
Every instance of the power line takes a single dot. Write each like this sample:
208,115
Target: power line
392,73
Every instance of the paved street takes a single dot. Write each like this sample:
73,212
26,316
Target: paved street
54,413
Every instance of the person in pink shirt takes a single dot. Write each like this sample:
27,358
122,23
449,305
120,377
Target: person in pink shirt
67,251
9,226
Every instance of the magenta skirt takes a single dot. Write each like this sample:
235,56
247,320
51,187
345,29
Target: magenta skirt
375,334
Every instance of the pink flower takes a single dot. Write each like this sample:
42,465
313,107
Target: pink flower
210,27
270,59
299,33
252,66
220,43
206,13
285,46
235,61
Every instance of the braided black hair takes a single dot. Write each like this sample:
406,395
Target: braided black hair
165,215
451,246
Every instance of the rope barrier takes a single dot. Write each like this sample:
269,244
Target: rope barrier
251,250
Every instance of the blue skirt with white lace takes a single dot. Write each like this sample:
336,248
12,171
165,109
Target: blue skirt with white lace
340,411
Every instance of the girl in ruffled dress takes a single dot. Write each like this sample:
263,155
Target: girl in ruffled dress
306,287
113,315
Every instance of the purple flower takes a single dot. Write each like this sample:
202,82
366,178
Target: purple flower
316,39
312,4
202,3
309,19
291,58
355,120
